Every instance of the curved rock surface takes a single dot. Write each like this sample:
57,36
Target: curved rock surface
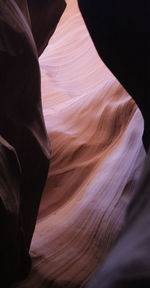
95,131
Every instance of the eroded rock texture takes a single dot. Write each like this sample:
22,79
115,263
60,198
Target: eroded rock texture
95,131
22,124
